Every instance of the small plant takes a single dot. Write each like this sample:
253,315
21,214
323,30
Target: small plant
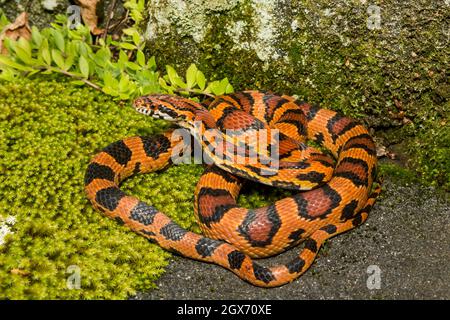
135,7
118,68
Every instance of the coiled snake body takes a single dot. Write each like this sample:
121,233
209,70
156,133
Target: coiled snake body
339,200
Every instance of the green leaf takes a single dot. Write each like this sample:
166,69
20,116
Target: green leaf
140,58
9,44
216,88
165,86
24,55
36,36
149,89
102,56
146,77
124,96
4,60
136,38
22,49
127,46
201,81
77,82
110,91
171,73
8,74
191,76
123,83
84,49
109,80
75,35
25,45
123,57
59,39
72,48
229,89
199,91
129,31
29,74
224,84
45,53
151,63
69,61
174,77
220,87
96,70
84,67
3,20
121,62
58,58
130,5
133,66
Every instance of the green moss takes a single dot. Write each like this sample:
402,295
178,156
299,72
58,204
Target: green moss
255,196
430,154
48,132
397,172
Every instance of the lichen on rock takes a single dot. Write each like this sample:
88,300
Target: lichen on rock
191,17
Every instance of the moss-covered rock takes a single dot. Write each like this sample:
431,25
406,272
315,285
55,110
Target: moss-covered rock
329,52
384,62
430,154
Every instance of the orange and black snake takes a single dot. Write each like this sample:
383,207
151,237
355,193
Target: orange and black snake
340,198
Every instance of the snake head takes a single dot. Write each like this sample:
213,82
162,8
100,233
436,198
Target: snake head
185,112
158,106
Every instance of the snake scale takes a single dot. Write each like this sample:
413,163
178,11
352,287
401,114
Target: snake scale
338,190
